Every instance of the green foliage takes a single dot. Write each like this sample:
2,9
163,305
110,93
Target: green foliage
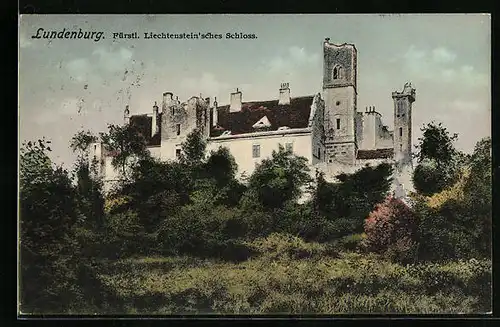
252,248
348,202
282,246
82,140
47,215
461,227
193,149
296,277
279,179
156,189
125,143
436,144
429,179
438,160
353,242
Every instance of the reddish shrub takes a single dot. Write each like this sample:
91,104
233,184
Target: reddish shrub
391,229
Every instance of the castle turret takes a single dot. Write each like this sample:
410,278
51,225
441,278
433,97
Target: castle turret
155,128
126,115
403,124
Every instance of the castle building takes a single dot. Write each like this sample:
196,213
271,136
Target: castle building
326,128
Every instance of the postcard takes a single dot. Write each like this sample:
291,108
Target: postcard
254,164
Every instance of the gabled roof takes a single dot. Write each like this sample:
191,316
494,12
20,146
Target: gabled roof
263,122
375,154
293,115
143,123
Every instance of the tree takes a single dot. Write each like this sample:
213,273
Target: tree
81,141
436,144
221,166
157,189
125,143
280,179
48,214
193,149
348,202
89,186
456,222
437,158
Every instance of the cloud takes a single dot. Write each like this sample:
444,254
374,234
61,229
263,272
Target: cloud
113,61
443,55
101,61
79,69
439,66
294,58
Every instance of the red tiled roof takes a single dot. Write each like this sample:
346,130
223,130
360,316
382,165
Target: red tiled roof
294,115
143,123
375,154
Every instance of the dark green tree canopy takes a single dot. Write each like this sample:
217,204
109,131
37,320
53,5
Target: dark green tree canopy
125,143
436,144
280,178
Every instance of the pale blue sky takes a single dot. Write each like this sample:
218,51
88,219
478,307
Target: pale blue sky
66,85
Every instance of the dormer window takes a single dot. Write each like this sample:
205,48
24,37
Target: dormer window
337,72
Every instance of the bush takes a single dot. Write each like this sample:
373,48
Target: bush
354,242
280,246
202,231
391,229
430,178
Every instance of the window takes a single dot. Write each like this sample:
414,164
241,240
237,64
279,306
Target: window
289,147
319,153
177,153
256,151
401,147
338,123
178,129
401,131
173,111
337,72
337,103
95,147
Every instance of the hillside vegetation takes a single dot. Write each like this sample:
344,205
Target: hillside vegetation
188,237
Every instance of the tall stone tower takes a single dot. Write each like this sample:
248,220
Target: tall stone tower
339,92
403,125
180,119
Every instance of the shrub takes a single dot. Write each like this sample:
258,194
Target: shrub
391,229
353,242
286,246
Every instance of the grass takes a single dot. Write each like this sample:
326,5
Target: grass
290,276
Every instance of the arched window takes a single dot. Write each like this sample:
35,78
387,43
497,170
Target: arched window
337,72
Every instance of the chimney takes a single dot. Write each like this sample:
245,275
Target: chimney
126,115
235,101
215,114
284,94
154,121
